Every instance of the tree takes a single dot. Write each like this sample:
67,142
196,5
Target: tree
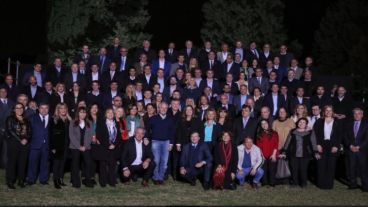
95,22
245,20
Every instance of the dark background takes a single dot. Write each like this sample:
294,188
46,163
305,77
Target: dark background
23,25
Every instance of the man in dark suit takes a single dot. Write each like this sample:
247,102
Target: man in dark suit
56,73
10,86
224,103
244,126
282,72
171,53
123,62
102,60
210,63
146,49
229,66
189,51
241,99
356,142
342,103
39,147
37,73
299,99
274,100
84,55
291,82
147,78
252,52
210,82
285,56
265,55
93,75
196,159
6,106
108,76
321,98
238,49
75,76
110,94
204,52
113,51
137,158
33,91
95,96
161,62
259,81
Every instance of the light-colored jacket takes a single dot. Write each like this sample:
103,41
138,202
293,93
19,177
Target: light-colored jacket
75,136
256,156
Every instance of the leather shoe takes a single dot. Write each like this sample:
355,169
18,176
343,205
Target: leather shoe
206,186
145,183
61,182
254,185
44,183
56,184
11,186
21,184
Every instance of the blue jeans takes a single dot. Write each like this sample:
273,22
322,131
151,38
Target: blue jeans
257,177
160,150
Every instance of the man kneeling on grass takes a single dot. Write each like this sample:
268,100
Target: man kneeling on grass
196,160
249,162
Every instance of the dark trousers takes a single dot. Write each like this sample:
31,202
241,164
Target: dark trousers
77,156
3,151
17,161
326,169
138,170
38,165
269,168
107,172
175,162
358,163
58,166
299,170
193,173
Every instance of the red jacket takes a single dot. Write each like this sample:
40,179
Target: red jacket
268,143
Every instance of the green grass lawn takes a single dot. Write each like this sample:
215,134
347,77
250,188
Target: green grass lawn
177,193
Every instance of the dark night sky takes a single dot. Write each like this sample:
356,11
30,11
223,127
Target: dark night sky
23,24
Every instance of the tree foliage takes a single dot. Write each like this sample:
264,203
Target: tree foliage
245,20
95,22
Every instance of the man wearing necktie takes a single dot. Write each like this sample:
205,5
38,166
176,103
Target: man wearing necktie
39,147
356,140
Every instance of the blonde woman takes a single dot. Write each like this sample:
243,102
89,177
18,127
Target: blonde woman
301,111
59,142
129,96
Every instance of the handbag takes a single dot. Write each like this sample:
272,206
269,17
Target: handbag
283,170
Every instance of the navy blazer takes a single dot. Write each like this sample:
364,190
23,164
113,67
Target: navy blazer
102,66
268,101
216,133
215,86
234,69
201,153
237,102
156,65
40,133
31,73
361,139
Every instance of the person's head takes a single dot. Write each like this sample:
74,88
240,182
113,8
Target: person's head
237,58
175,104
82,65
181,58
95,86
132,72
93,110
283,49
300,91
229,78
245,111
197,73
328,111
33,105
211,55
238,44
294,63
61,110
163,108
116,41
276,60
156,88
265,126
147,94
282,113
229,58
307,75
243,89
302,123
146,44
112,66
94,68
37,67
255,63
301,110
188,112
48,86
211,115
57,62
179,73
358,114
60,88
109,114
226,137
133,110
222,113
32,81
245,63
3,93
190,102
43,109
194,137
173,80
139,133
257,92
269,64
117,101
123,52
308,61
160,73
265,112
224,47
291,74
18,110
151,109
248,142
259,72
283,89
23,99
188,44
224,99
210,74
316,110
203,100
85,49
341,91
82,103
74,68
207,44
273,76
242,76
252,45
161,54
171,45
158,98
266,47
207,91
275,88
119,112
9,80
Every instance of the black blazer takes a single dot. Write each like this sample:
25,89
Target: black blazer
54,76
240,132
72,102
218,159
268,101
205,65
129,153
186,128
106,63
336,134
202,153
173,57
68,81
215,86
321,102
231,109
101,151
89,80
92,99
193,54
216,133
150,84
59,137
234,69
360,140
151,54
263,59
106,79
39,96
295,101
128,63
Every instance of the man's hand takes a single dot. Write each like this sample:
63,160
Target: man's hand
126,173
334,150
319,148
111,147
170,147
241,172
82,148
317,156
145,164
178,147
146,141
253,171
53,151
199,164
23,141
183,171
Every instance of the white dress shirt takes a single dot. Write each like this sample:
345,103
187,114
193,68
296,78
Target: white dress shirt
328,130
139,153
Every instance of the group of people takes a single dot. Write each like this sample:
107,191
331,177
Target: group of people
225,118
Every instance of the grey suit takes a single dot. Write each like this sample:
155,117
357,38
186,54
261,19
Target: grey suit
298,73
220,57
74,136
264,85
175,66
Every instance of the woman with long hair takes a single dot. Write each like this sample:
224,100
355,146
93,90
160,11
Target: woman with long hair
267,141
150,111
80,135
242,81
109,137
210,130
224,119
129,97
226,160
299,148
246,70
300,111
133,120
59,142
18,130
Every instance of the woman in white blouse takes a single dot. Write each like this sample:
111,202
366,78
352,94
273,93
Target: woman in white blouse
328,132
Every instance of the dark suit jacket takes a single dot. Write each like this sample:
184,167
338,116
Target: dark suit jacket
5,110
106,79
156,64
237,102
72,104
249,55
31,73
291,85
193,54
263,59
12,92
268,101
240,132
361,139
215,86
89,80
39,96
129,153
295,101
205,65
128,64
107,98
113,52
234,69
151,54
54,76
231,110
336,134
150,84
80,57
81,80
103,66
40,134
253,82
216,133
321,102
92,99
173,57
102,151
201,153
